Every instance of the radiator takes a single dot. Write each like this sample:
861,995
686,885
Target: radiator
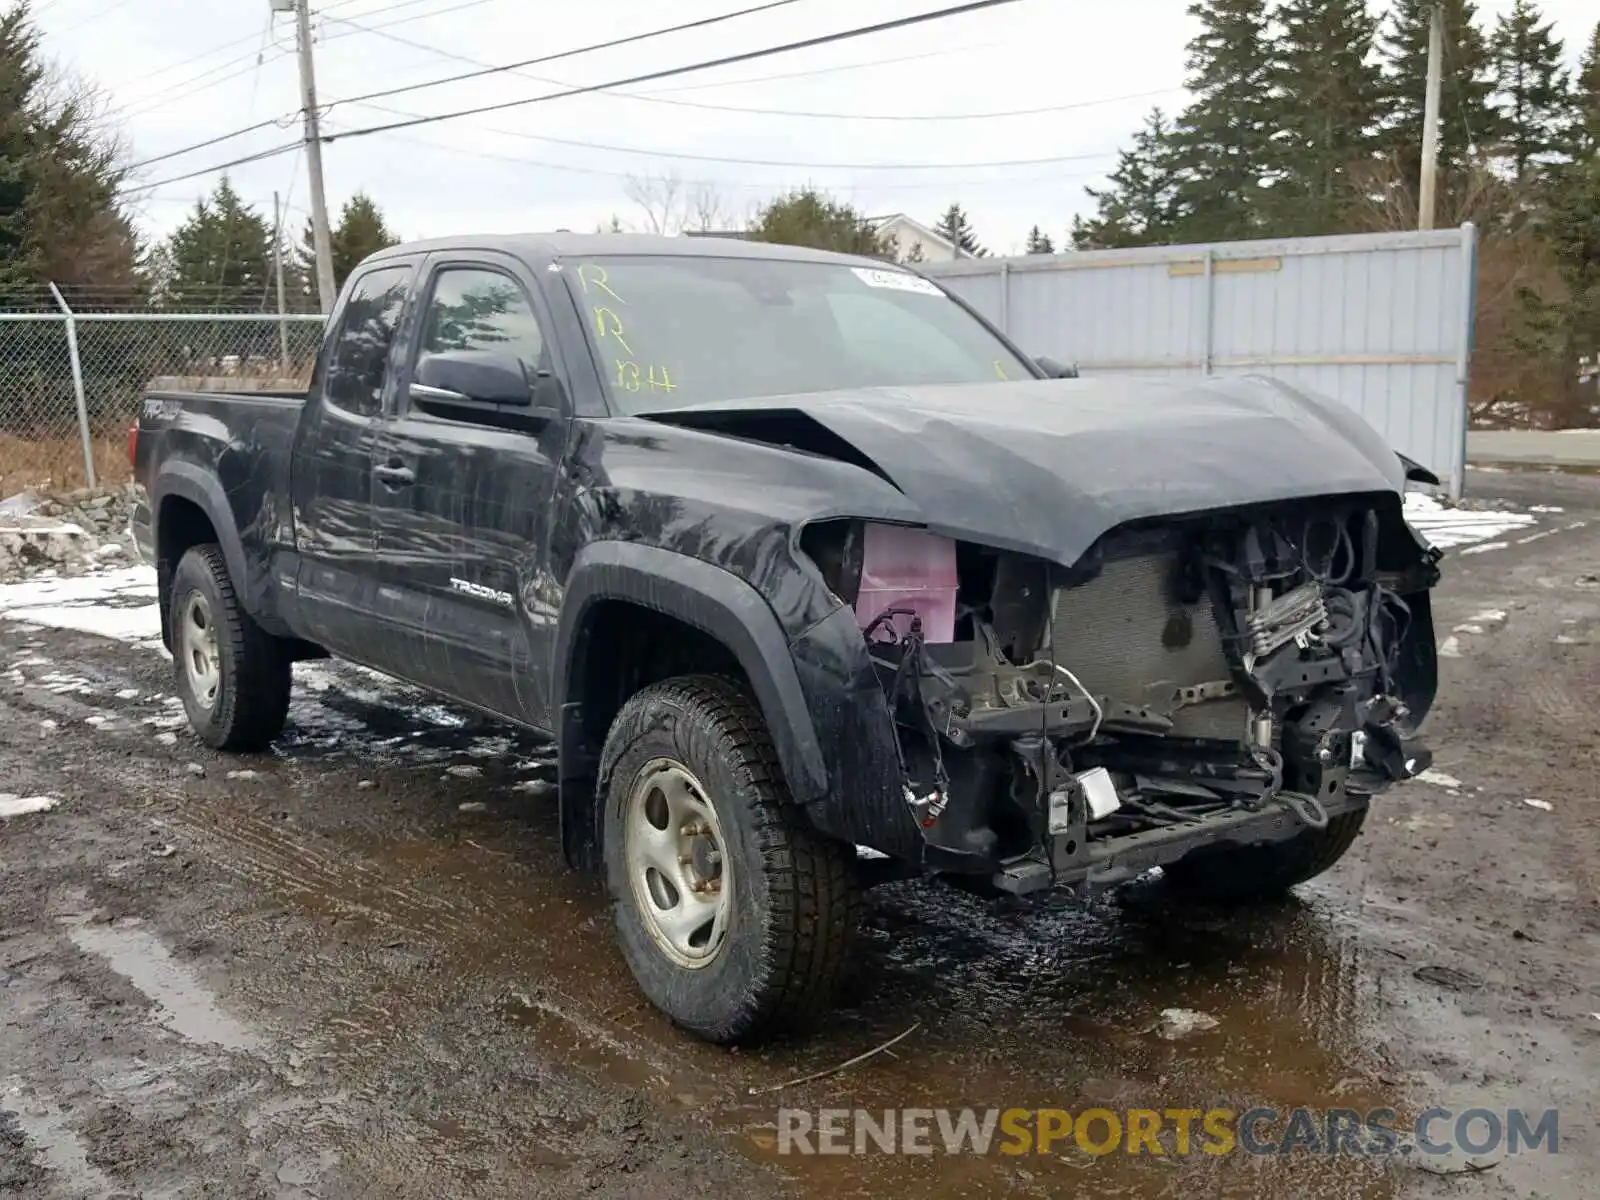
1128,637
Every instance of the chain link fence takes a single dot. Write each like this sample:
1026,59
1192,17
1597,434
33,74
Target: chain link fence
71,382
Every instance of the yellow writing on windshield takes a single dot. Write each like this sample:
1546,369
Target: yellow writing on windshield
606,321
592,274
630,376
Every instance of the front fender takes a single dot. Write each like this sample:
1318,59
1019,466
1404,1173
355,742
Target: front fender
710,599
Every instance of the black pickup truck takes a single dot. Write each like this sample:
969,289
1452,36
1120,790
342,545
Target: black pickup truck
807,569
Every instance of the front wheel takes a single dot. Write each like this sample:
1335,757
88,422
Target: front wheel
734,915
1239,874
232,676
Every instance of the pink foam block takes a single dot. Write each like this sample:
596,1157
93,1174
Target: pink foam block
908,568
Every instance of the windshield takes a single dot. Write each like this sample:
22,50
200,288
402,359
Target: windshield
671,332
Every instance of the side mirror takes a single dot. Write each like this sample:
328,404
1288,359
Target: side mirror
486,386
1054,369
486,376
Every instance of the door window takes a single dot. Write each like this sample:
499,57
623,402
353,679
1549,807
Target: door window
358,362
473,308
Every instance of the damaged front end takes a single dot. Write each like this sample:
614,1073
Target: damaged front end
1234,677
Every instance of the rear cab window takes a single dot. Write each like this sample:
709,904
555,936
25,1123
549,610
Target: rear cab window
358,356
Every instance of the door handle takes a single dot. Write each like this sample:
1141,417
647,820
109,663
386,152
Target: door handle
395,475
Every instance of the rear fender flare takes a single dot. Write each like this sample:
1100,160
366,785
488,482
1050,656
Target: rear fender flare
191,482
710,599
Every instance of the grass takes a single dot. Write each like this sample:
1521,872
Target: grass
56,463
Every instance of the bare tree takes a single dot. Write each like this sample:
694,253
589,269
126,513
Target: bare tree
1516,379
705,209
660,198
670,206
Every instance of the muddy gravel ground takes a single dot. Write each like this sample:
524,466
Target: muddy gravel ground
357,967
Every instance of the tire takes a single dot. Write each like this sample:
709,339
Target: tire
694,752
1241,874
239,699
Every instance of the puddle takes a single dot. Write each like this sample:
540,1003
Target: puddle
183,1003
1040,1004
57,1148
342,710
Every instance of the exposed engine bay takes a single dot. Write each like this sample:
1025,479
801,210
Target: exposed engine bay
1184,676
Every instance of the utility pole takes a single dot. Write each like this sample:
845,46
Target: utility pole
1430,121
322,239
277,268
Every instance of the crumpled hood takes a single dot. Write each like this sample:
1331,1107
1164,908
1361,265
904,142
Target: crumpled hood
1045,467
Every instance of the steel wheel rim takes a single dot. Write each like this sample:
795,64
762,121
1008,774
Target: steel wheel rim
198,640
681,880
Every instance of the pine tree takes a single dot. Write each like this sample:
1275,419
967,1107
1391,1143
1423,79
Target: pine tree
1584,136
807,217
1224,139
219,258
1531,85
1567,328
361,231
955,227
1141,207
61,219
1467,116
1328,93
1039,242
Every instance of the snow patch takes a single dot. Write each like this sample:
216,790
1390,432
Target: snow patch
1446,527
117,604
1450,647
1439,779
1484,547
12,805
1542,805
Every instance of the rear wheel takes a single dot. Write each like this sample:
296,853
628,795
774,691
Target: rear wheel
232,676
734,915
1239,874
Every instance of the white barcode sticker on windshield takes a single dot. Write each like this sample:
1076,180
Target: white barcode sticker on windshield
899,281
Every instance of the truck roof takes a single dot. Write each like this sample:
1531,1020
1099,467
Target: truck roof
595,245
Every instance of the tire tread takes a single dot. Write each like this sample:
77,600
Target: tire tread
256,698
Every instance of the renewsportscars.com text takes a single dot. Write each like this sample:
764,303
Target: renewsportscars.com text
1165,1131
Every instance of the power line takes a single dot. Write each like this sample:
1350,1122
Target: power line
212,170
774,112
165,96
391,9
779,162
544,58
224,137
571,168
671,72
96,15
261,58
638,37
666,73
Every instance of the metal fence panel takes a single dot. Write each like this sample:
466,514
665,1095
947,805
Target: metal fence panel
39,430
1382,322
66,423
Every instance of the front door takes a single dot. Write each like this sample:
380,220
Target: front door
463,503
331,471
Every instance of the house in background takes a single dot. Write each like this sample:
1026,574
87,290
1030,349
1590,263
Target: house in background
915,242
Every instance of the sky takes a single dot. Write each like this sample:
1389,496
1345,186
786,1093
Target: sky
178,72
